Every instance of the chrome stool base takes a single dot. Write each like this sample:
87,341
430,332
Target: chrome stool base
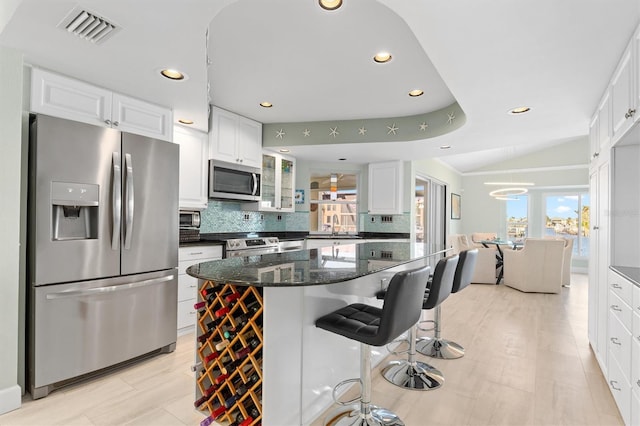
439,348
355,417
415,376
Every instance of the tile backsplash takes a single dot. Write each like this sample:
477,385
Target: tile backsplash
228,216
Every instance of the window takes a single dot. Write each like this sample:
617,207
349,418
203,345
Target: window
567,215
518,217
333,203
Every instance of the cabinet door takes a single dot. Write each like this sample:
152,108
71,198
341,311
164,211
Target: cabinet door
593,263
287,184
268,195
142,118
249,142
622,97
385,188
223,136
193,167
603,255
594,143
64,97
604,123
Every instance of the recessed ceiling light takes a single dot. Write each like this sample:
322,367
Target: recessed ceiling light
266,104
172,74
185,121
382,57
330,4
445,146
519,110
284,150
416,92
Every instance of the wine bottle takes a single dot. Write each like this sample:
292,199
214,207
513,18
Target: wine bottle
229,298
222,344
205,396
199,305
222,311
221,378
207,291
213,323
203,337
228,403
213,355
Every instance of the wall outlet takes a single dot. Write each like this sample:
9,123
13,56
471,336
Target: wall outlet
279,217
261,217
386,219
373,219
246,216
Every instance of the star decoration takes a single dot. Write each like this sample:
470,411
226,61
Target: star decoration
392,129
362,130
306,132
450,118
423,126
280,134
334,131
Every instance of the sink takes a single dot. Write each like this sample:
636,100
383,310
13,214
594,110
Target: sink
334,237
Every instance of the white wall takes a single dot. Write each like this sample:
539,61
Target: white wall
10,225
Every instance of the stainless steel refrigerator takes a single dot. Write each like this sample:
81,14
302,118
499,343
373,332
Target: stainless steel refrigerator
103,249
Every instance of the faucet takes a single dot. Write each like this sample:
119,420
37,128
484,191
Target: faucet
334,220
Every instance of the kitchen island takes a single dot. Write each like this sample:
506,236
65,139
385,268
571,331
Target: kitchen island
271,303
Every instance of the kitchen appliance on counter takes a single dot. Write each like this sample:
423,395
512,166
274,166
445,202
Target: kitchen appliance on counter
103,249
189,226
233,181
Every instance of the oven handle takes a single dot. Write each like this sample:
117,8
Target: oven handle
108,289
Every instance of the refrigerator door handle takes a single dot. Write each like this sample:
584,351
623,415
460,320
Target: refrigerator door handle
107,289
128,230
116,202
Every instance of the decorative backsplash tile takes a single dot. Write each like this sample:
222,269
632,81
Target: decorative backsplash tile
228,216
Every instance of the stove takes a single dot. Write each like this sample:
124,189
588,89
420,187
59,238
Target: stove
251,246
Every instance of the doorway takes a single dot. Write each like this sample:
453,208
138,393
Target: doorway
430,208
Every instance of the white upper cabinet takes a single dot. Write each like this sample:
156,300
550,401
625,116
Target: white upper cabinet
64,97
600,129
234,139
385,188
193,167
277,184
622,95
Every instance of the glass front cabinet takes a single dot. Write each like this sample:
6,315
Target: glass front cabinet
278,182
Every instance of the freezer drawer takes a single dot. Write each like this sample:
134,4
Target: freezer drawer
83,327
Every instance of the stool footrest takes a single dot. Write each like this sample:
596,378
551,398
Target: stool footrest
354,417
344,383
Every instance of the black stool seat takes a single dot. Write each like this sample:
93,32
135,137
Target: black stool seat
372,326
438,347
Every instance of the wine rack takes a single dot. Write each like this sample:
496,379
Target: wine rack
229,340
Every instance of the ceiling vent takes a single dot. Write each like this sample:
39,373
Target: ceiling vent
88,26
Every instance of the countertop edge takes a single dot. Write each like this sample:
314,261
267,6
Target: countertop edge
630,273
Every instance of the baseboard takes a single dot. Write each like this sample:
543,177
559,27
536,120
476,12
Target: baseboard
10,399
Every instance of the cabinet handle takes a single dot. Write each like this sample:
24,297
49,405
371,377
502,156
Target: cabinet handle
616,285
595,228
192,286
616,308
116,123
638,383
630,113
596,154
195,252
107,122
192,312
615,341
611,382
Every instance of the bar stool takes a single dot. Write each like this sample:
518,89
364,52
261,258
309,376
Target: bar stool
372,326
409,373
437,347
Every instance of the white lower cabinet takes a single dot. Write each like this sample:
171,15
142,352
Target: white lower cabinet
188,285
635,409
620,389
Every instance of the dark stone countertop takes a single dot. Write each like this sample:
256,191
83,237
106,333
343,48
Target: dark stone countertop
222,237
630,273
320,266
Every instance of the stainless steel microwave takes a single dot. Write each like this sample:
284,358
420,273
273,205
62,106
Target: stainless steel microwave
233,181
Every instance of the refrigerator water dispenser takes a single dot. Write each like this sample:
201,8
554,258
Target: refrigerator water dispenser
74,211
